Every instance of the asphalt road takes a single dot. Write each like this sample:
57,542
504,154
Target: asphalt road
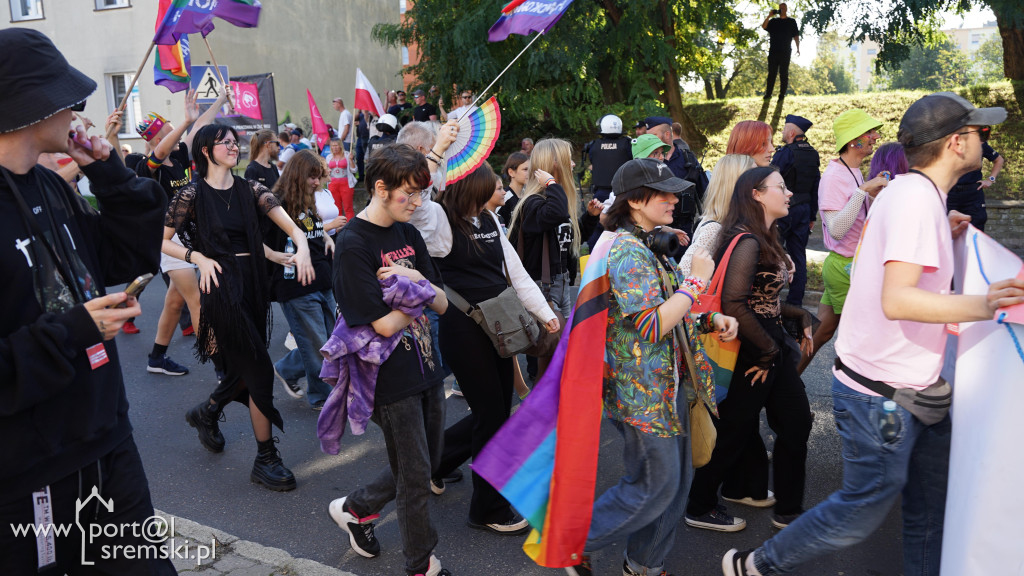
214,489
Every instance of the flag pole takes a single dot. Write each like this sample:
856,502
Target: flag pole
216,68
135,79
500,74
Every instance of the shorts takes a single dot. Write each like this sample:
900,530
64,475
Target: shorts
835,272
168,263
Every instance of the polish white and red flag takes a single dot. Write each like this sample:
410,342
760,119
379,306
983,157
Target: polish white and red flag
366,96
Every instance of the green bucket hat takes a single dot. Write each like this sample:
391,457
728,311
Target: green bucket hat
851,124
645,144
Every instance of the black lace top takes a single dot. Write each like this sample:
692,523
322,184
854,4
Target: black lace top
750,294
236,311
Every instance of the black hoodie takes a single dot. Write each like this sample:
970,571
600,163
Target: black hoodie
57,414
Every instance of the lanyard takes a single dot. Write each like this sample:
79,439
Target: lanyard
61,260
855,182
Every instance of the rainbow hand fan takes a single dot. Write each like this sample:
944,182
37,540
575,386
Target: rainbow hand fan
478,132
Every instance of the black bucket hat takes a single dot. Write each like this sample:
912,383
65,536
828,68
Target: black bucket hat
36,81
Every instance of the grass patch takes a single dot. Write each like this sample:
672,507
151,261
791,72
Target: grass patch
716,119
814,281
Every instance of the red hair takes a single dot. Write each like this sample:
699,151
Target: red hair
748,137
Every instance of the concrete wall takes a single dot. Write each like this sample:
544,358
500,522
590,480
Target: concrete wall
314,44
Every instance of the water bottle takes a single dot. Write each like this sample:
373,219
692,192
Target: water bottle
889,423
289,271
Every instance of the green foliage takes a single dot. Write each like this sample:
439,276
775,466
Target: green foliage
939,65
604,56
717,118
831,68
988,60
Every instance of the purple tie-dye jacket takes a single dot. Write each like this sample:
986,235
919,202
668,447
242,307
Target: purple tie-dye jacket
352,358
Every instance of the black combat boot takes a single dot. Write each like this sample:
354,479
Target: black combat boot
269,470
204,417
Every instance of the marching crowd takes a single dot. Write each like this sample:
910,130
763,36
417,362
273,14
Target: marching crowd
392,296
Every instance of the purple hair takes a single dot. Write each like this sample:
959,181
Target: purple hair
889,156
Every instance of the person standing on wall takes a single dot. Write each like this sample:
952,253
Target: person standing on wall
781,31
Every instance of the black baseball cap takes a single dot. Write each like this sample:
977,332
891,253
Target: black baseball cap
652,121
940,114
650,173
418,93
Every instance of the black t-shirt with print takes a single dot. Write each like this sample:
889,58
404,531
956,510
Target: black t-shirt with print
361,247
284,290
171,178
266,175
423,113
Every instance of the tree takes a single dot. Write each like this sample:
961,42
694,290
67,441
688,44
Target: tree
938,66
896,25
619,56
988,60
832,68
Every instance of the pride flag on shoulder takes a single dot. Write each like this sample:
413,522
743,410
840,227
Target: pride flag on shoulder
526,17
544,459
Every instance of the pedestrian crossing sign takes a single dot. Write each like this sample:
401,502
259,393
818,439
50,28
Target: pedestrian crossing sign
207,85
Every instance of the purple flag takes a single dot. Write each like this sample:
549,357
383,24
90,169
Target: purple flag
182,17
243,13
526,17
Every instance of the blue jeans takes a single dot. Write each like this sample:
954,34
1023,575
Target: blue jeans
648,502
311,319
875,473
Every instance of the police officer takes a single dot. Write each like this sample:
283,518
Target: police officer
388,128
606,154
800,166
603,157
968,195
684,164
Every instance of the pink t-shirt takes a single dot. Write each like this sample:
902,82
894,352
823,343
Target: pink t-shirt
907,223
834,191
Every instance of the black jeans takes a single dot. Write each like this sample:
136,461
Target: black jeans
486,382
777,64
739,463
413,431
118,478
795,230
967,199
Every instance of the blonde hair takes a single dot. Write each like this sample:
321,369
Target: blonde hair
553,156
723,181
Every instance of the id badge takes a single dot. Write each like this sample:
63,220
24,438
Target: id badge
46,548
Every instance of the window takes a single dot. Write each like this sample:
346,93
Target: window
405,55
872,51
26,10
401,6
975,38
108,4
117,84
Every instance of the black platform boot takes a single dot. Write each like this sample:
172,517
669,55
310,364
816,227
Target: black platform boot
205,418
269,470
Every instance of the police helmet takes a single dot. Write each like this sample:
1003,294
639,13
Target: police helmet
610,124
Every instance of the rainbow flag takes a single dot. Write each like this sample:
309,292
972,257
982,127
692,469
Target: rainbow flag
173,66
176,18
544,459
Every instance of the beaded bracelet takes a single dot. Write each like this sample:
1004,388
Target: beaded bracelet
699,285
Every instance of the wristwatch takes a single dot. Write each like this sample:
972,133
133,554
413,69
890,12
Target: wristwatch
992,179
